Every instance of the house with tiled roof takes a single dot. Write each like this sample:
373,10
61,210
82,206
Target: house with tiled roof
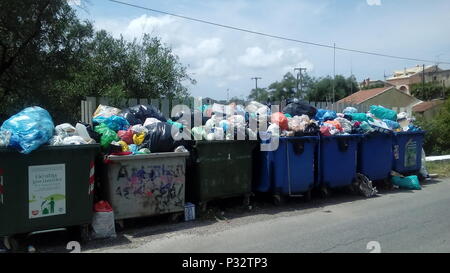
428,109
403,79
388,96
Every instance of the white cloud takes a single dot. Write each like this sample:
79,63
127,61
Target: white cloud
74,2
255,57
215,67
373,2
216,58
204,48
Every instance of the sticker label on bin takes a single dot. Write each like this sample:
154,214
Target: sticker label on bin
410,153
47,190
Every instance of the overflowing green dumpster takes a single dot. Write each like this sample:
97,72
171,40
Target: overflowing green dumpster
50,188
219,169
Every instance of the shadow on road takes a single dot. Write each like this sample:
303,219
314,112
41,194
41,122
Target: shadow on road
218,211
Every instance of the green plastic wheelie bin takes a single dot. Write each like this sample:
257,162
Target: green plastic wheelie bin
50,188
219,169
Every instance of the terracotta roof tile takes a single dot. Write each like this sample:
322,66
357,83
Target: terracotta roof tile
363,95
426,105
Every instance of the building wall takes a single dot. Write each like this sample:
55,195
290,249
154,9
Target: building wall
441,77
392,99
406,82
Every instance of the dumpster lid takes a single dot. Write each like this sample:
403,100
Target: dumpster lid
146,156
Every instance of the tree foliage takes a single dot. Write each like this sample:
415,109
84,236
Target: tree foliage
260,94
322,89
429,91
437,131
312,89
48,57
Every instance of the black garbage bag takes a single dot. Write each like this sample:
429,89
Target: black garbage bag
159,138
139,113
298,108
311,129
130,117
92,134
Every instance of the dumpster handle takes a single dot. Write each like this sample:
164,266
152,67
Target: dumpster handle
288,167
289,172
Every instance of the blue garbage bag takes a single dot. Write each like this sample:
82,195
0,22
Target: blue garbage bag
30,128
323,115
409,182
391,124
115,123
413,128
133,148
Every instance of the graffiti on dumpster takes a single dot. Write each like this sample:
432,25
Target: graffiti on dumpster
161,186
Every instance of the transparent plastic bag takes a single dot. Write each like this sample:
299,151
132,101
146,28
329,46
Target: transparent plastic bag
103,225
105,111
65,130
350,110
74,140
5,136
30,128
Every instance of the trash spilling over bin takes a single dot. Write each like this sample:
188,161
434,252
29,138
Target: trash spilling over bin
51,187
144,185
379,129
47,175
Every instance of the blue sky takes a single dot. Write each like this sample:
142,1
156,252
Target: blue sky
221,59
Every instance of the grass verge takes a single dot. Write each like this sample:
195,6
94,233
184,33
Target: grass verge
442,168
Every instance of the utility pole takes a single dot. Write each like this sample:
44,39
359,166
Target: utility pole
334,69
256,81
300,75
423,78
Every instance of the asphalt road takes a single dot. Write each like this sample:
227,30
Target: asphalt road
399,220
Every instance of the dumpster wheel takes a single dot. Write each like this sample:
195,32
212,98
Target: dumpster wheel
176,217
325,192
12,243
307,196
277,199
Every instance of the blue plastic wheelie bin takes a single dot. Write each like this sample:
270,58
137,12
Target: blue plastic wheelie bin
407,152
290,169
338,158
375,155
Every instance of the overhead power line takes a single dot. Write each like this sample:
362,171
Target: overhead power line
276,36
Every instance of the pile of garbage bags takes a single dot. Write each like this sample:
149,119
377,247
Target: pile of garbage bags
236,122
33,127
141,129
377,119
